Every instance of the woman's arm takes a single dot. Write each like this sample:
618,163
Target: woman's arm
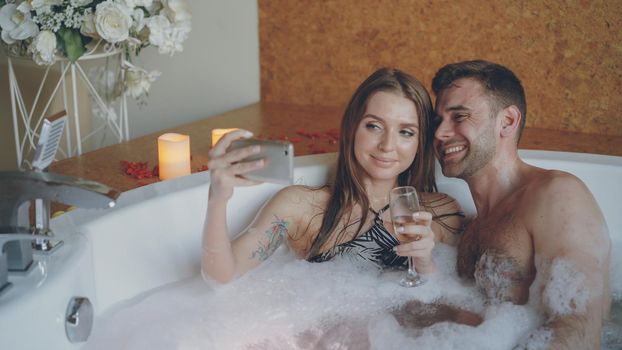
217,258
223,260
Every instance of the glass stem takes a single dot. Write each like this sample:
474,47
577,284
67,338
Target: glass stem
411,267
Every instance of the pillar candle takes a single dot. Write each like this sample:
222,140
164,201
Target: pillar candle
173,155
218,133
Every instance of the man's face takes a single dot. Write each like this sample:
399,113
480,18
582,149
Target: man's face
464,140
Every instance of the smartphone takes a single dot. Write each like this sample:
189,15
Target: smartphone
278,159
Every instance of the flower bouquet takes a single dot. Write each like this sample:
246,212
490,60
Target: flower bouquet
49,30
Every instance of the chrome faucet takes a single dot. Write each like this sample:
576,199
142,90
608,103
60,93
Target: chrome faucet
17,190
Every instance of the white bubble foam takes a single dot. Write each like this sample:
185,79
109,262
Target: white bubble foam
539,339
288,303
493,275
565,291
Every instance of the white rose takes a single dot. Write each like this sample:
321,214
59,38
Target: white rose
166,36
24,7
136,3
155,7
113,21
139,20
15,24
158,25
138,81
88,26
144,3
78,3
176,10
43,48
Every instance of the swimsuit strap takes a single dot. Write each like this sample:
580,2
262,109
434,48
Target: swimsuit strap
378,213
375,245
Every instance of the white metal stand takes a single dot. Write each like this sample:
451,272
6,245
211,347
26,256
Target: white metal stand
26,124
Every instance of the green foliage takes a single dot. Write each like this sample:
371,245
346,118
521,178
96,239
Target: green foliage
71,43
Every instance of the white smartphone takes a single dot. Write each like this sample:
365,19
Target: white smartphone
278,159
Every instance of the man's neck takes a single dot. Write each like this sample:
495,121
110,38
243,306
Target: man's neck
493,183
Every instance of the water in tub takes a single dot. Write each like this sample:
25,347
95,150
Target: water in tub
289,303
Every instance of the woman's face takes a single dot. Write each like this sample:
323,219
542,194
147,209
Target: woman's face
387,138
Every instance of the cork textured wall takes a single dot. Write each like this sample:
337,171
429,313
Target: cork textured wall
568,54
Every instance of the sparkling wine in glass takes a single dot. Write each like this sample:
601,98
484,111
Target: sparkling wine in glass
403,203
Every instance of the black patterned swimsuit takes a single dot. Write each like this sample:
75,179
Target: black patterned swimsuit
375,245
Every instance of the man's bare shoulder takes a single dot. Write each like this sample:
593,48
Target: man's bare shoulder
560,206
550,186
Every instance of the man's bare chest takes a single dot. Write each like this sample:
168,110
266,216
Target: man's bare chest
497,252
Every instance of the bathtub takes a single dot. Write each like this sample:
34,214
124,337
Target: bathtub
152,237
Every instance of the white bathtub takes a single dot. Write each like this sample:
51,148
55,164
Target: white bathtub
152,237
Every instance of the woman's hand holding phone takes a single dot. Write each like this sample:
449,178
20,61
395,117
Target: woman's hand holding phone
227,167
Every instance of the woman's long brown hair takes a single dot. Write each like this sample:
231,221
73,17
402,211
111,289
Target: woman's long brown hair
348,188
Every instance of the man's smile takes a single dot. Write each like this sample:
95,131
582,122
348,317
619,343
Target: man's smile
451,152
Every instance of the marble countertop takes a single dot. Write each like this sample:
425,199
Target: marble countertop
308,128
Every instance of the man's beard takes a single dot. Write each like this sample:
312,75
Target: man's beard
478,156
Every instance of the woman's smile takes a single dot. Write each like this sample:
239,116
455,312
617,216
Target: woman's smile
384,162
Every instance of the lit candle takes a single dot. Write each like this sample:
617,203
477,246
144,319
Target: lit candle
218,133
173,155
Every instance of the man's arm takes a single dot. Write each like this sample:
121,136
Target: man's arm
572,248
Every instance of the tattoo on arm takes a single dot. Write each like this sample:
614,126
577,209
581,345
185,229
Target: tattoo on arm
274,237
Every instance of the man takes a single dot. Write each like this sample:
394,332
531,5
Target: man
539,235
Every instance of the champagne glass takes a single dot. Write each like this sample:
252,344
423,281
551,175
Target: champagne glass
403,203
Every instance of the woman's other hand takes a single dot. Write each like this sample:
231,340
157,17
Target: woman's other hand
227,168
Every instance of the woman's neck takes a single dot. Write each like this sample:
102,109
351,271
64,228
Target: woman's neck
378,193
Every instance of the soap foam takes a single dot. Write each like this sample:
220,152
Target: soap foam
565,292
493,275
287,303
539,339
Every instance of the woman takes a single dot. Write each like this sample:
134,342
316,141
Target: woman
385,142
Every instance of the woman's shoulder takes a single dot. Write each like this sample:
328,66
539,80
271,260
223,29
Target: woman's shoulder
299,197
305,207
448,218
315,193
439,200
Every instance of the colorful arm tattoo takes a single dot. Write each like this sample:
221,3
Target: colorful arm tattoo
275,235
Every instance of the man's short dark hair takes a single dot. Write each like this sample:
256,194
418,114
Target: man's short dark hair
498,81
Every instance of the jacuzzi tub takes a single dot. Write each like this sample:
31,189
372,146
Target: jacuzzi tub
153,237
